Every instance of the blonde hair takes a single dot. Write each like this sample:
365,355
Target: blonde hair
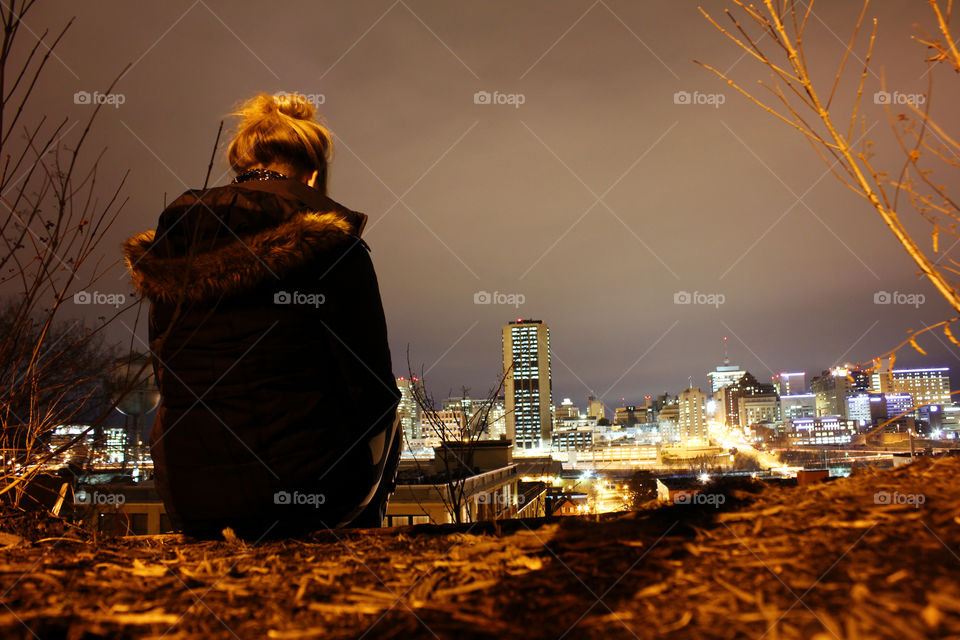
279,132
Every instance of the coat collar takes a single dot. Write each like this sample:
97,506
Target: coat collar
243,263
308,196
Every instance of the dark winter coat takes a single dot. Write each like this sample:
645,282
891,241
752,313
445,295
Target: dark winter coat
270,348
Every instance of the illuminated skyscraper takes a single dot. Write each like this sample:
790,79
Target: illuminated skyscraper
692,418
724,376
528,387
790,384
408,410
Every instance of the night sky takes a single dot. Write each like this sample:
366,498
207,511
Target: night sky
598,199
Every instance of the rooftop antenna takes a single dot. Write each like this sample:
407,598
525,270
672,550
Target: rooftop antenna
726,359
690,382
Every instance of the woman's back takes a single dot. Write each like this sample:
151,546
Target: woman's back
271,355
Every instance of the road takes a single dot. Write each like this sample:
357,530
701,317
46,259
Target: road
734,438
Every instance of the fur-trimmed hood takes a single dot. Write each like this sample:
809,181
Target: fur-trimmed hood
237,265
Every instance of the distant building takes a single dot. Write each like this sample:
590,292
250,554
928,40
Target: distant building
866,408
692,416
717,410
724,375
950,421
788,384
898,403
746,386
595,408
528,386
630,416
668,422
880,379
821,430
491,491
408,411
450,424
567,410
484,415
834,386
573,439
759,408
925,386
495,413
570,504
799,405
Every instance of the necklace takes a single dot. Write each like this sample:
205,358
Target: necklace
258,174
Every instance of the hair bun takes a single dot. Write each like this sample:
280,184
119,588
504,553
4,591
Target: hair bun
295,105
279,132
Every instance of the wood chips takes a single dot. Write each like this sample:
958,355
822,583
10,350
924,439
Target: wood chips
872,556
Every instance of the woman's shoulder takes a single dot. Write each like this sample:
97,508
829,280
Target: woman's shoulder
225,240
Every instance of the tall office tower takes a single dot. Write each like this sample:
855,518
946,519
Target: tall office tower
789,384
692,418
527,385
926,386
408,410
724,376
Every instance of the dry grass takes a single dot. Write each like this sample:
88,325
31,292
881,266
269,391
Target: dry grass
825,561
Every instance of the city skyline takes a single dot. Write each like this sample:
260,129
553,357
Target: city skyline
701,379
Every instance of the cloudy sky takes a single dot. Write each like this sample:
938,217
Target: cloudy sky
628,175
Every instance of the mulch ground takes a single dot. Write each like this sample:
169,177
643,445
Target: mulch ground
876,555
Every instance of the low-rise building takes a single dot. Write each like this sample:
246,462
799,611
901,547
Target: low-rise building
489,488
821,431
576,439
